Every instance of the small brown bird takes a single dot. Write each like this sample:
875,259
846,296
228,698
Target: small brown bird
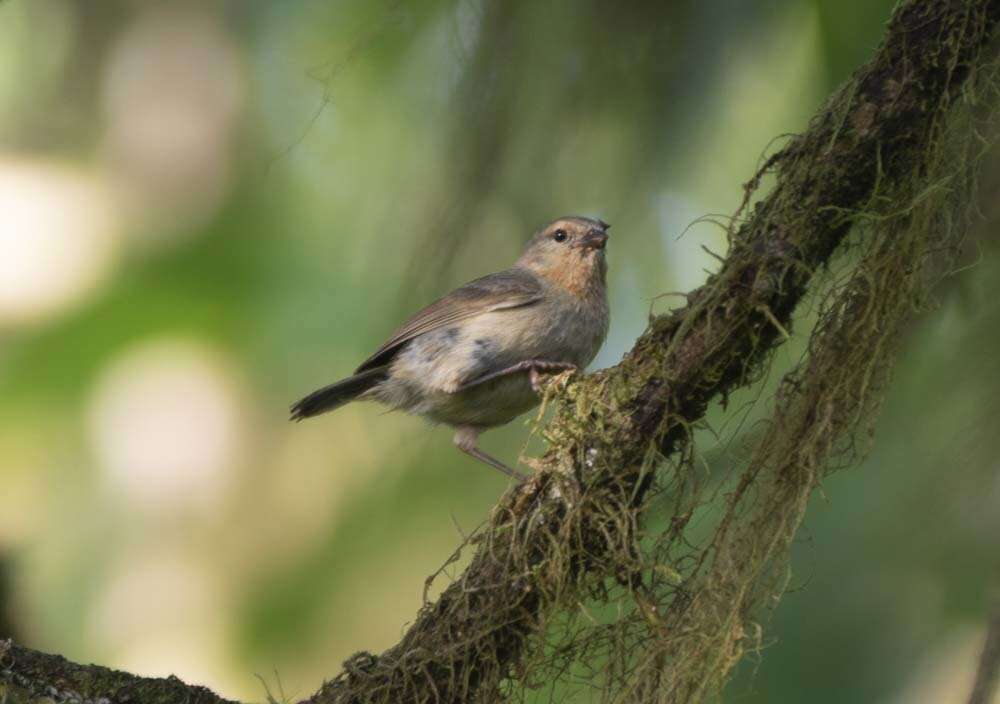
472,359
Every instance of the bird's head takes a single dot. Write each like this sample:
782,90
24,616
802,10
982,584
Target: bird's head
569,252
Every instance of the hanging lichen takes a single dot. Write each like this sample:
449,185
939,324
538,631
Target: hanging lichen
572,583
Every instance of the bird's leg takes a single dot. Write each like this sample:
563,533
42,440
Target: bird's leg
533,366
465,440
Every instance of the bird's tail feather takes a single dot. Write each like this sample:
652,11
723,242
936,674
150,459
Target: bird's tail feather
337,394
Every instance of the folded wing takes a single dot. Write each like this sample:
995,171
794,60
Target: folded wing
513,288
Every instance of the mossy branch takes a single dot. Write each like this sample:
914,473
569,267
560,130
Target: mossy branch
574,529
29,676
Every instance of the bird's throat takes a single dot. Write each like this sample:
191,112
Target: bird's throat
584,280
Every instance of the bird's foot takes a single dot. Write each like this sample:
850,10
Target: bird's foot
537,368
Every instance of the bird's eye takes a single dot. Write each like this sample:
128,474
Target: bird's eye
559,235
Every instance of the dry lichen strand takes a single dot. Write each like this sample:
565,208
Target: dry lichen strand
693,640
821,404
875,140
851,163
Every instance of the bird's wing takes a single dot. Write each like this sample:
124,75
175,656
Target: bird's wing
512,288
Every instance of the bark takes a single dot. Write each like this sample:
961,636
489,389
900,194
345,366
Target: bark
547,542
30,676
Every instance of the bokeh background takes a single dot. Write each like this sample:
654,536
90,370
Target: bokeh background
208,209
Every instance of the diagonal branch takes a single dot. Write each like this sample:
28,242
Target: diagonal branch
562,535
554,539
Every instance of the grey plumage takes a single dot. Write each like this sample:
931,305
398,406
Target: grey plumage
337,394
470,359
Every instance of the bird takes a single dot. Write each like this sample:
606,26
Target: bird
474,359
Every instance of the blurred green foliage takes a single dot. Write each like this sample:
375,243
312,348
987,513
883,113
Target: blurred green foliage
372,156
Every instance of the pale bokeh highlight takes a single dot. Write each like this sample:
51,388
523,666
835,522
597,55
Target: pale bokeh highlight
174,88
58,238
164,422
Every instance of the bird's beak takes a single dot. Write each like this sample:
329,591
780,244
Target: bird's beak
595,239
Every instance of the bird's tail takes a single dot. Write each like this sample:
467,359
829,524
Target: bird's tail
336,395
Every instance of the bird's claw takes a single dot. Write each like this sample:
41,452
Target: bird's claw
533,376
536,371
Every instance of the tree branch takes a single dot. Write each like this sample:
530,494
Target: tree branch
563,534
30,676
